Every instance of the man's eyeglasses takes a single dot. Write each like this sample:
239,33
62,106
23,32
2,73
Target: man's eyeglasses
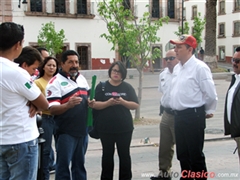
115,71
235,60
169,58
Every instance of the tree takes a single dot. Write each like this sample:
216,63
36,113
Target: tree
131,37
198,27
185,29
51,39
210,42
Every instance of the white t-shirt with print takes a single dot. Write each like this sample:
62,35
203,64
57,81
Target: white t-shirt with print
16,89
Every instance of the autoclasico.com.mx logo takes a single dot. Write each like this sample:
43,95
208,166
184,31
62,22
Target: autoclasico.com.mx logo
191,174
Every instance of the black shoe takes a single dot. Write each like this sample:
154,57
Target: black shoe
160,178
52,169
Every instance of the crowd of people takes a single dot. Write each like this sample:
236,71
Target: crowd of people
33,82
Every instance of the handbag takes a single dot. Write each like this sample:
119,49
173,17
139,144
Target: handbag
93,133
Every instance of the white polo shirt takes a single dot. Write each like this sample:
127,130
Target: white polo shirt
16,89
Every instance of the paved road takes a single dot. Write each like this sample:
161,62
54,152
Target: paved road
218,150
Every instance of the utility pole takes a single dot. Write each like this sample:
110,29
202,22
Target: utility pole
182,14
2,10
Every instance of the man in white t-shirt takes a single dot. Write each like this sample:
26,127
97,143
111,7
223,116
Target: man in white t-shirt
20,99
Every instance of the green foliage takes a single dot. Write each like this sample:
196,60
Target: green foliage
199,25
51,39
185,29
131,37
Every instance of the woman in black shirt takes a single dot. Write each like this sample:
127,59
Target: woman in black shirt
114,121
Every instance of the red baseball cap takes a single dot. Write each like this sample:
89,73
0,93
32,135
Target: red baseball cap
185,39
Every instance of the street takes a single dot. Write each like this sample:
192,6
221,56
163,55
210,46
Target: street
221,161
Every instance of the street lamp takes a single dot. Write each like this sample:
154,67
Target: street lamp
23,2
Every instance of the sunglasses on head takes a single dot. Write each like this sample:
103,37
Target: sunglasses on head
169,58
235,60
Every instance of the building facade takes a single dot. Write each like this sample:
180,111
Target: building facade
83,26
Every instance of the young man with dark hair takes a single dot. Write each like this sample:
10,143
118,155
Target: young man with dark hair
20,99
29,59
67,93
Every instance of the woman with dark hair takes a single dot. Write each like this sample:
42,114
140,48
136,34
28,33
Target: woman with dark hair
114,120
47,70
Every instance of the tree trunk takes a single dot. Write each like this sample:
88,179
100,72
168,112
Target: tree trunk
210,36
137,111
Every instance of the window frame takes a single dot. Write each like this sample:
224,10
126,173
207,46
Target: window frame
220,12
67,14
219,30
174,9
159,9
236,6
234,48
234,33
219,55
194,7
54,7
88,45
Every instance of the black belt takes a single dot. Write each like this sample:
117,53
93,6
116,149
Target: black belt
168,110
189,111
47,116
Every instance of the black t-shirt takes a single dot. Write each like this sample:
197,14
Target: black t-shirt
114,119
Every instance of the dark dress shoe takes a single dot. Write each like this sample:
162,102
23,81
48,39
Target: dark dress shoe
160,178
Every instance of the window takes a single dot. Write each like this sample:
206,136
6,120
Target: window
155,9
83,56
221,55
235,47
236,30
81,6
221,30
222,7
194,12
171,9
237,5
36,6
193,31
126,4
60,6
184,14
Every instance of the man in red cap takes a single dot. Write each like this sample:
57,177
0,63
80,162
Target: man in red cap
193,99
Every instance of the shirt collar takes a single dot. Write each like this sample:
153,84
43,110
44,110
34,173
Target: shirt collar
237,76
66,75
188,63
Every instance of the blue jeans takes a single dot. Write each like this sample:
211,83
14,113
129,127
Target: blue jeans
70,149
48,126
19,161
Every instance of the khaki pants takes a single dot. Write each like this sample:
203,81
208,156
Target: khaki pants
237,139
166,143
